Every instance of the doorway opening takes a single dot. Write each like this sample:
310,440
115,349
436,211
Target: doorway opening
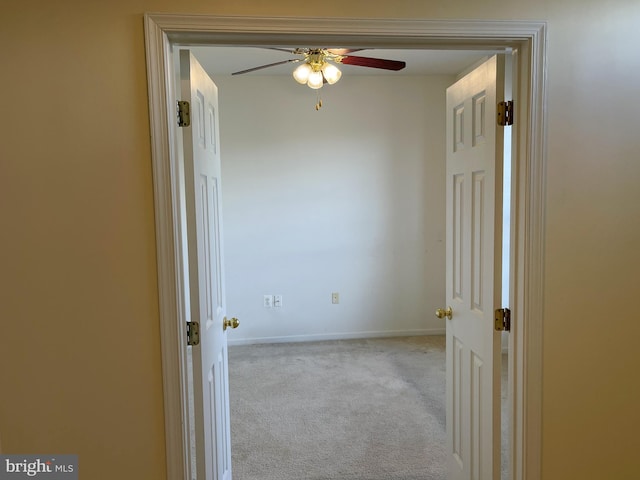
348,199
166,31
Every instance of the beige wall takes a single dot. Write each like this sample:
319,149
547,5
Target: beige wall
79,338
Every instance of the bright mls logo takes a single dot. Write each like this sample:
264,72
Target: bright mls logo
50,467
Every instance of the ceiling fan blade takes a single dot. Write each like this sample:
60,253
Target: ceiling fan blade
288,50
293,60
343,51
374,63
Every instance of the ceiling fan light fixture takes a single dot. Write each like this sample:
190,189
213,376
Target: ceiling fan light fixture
301,74
315,80
331,73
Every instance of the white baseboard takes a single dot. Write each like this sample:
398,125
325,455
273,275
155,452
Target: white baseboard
337,336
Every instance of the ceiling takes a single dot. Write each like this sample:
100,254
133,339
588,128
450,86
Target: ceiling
226,60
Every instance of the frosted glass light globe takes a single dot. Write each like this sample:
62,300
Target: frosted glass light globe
301,74
315,80
331,73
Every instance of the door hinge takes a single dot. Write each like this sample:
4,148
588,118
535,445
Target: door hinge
184,114
193,333
503,320
505,113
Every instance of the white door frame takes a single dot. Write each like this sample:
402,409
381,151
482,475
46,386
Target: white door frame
164,31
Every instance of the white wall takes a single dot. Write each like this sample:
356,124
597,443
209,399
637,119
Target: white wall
347,199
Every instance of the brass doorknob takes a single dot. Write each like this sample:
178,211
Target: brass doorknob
233,323
441,313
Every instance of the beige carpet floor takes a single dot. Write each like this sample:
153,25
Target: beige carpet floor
350,410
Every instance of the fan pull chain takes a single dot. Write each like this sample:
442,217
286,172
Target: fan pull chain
318,102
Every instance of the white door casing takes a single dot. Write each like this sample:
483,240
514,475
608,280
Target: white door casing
206,272
163,32
473,272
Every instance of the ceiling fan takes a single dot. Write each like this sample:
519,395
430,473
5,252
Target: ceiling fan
319,67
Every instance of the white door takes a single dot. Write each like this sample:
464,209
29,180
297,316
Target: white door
474,226
206,278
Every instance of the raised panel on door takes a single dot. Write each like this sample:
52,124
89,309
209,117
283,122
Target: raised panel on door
457,434
457,238
477,238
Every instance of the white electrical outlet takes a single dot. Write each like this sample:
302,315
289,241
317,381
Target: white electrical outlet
268,301
277,301
335,298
